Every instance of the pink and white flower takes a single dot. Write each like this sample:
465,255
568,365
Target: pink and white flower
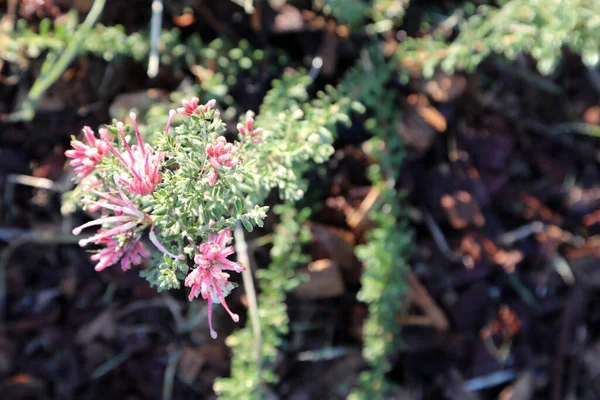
209,278
248,130
120,233
86,157
193,107
129,252
126,220
221,153
141,161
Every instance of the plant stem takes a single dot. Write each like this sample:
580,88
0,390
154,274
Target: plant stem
155,27
241,249
43,83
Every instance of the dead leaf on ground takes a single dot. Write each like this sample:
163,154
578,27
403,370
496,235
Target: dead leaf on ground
324,281
358,219
421,122
339,245
462,209
103,326
193,359
419,296
442,87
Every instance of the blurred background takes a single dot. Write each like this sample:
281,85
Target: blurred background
448,249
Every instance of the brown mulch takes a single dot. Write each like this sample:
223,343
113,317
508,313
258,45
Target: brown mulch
506,214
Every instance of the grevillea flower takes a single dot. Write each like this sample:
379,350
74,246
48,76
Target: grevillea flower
192,107
120,233
220,153
86,157
142,162
130,251
248,131
208,279
213,175
126,220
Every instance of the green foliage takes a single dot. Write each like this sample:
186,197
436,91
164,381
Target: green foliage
385,14
385,255
388,9
539,27
294,120
218,64
107,42
301,133
350,12
249,378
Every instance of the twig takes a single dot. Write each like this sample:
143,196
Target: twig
523,292
241,249
11,15
508,238
26,180
491,380
155,27
420,296
43,83
442,244
577,127
167,392
111,364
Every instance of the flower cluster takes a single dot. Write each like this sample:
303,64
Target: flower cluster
141,161
208,279
119,233
247,130
138,187
192,107
86,157
220,154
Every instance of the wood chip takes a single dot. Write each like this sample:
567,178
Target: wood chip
324,281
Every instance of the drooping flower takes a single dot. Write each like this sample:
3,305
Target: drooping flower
248,131
142,162
86,157
209,278
193,107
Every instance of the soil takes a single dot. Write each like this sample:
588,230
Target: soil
505,209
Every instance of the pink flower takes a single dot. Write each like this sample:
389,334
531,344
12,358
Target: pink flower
126,220
142,162
212,177
130,252
192,107
248,131
120,233
86,157
221,153
208,279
